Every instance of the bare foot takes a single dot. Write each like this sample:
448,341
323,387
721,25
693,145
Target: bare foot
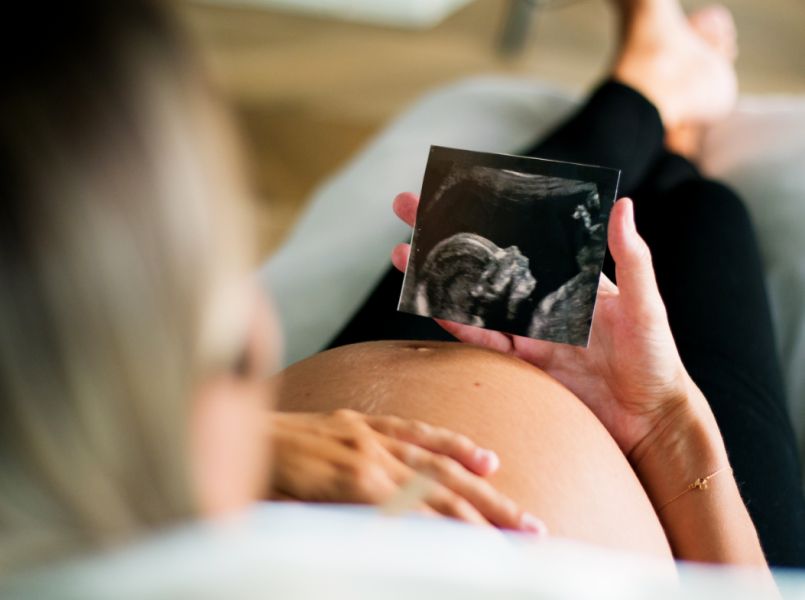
684,67
714,24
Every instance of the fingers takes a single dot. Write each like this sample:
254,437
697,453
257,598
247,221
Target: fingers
539,353
455,491
399,256
494,340
438,440
417,489
465,489
633,267
405,206
450,504
349,457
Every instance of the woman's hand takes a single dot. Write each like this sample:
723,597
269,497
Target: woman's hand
350,457
631,375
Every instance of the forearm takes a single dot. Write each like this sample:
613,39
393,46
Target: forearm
708,523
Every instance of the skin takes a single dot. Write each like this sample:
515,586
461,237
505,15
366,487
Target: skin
230,459
632,379
646,431
557,460
347,456
341,457
685,67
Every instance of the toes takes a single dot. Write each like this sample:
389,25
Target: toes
717,27
714,20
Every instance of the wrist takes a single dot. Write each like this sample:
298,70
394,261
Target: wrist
685,445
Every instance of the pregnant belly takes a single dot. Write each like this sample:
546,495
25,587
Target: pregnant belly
557,460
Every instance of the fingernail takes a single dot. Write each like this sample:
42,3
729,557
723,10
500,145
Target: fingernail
531,524
487,460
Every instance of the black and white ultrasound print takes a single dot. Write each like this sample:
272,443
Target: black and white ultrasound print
510,243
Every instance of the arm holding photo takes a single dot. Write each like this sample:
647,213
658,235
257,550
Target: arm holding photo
633,380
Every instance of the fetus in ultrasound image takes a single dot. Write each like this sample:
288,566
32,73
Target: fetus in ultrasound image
509,243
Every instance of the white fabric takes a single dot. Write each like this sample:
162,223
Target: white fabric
342,244
293,551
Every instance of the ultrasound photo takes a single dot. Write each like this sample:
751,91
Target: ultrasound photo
510,243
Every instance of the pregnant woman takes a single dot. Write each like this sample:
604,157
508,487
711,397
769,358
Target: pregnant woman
619,444
133,351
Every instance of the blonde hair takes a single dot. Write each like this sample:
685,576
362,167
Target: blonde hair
121,230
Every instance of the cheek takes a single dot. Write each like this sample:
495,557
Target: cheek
232,444
259,427
250,442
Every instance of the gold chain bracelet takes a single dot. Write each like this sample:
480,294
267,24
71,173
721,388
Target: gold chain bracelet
701,483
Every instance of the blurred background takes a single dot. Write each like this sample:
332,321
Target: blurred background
312,80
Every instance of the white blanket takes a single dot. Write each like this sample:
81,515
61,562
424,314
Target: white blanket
293,551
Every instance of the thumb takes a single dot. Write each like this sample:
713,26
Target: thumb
634,271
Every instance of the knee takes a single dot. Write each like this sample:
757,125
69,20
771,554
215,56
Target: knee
712,204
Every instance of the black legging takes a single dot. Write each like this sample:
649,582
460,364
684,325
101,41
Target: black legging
710,276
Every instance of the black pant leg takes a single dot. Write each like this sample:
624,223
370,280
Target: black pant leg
617,127
710,275
668,171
